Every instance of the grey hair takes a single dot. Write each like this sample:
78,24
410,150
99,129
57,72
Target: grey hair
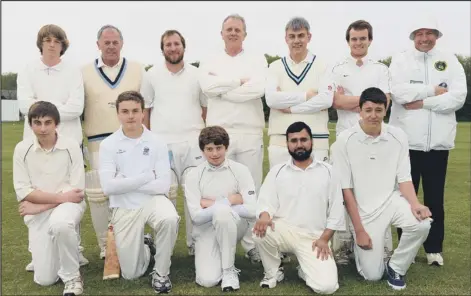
237,17
108,27
297,23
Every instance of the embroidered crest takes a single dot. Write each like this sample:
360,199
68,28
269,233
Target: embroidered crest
145,151
440,65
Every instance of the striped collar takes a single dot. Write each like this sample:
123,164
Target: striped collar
106,79
298,79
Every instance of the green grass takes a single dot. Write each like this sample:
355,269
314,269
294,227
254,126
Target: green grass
452,279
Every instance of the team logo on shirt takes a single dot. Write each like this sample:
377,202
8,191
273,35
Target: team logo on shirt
145,151
251,192
440,65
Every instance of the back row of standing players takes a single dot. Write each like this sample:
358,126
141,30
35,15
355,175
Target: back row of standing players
427,87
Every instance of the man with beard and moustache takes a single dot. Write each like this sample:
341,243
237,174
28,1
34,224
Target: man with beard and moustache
298,88
234,82
177,109
372,158
299,209
51,78
428,86
351,76
104,79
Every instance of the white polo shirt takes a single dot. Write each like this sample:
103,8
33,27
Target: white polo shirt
309,199
58,170
355,80
127,165
217,183
372,166
176,101
61,85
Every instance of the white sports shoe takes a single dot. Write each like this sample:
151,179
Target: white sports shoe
435,259
73,287
230,279
271,282
301,273
30,267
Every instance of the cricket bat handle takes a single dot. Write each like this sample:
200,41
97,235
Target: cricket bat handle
111,269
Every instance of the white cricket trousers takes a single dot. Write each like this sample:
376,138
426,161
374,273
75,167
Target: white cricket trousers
128,224
247,149
216,243
370,263
321,276
184,156
54,242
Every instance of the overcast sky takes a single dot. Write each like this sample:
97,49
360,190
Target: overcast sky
142,24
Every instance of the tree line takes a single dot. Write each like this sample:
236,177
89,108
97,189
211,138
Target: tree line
464,114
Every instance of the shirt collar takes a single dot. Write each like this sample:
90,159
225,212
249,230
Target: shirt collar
306,60
237,55
366,59
42,66
179,72
291,164
143,138
60,144
102,64
364,137
224,165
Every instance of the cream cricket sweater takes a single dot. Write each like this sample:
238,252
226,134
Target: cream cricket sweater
101,93
237,108
294,80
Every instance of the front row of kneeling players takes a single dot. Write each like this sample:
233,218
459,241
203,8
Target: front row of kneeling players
298,209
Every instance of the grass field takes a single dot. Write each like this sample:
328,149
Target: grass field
452,279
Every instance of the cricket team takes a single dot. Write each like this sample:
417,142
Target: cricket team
201,129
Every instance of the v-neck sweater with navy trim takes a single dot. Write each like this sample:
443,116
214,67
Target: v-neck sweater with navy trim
299,77
101,93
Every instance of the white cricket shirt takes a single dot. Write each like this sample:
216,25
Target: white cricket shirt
309,199
176,101
217,183
58,170
372,166
355,80
127,165
61,85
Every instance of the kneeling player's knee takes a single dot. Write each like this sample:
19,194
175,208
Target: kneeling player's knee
325,287
372,274
206,281
223,214
423,228
59,228
44,280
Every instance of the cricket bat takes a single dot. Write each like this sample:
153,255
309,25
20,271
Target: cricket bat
111,269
